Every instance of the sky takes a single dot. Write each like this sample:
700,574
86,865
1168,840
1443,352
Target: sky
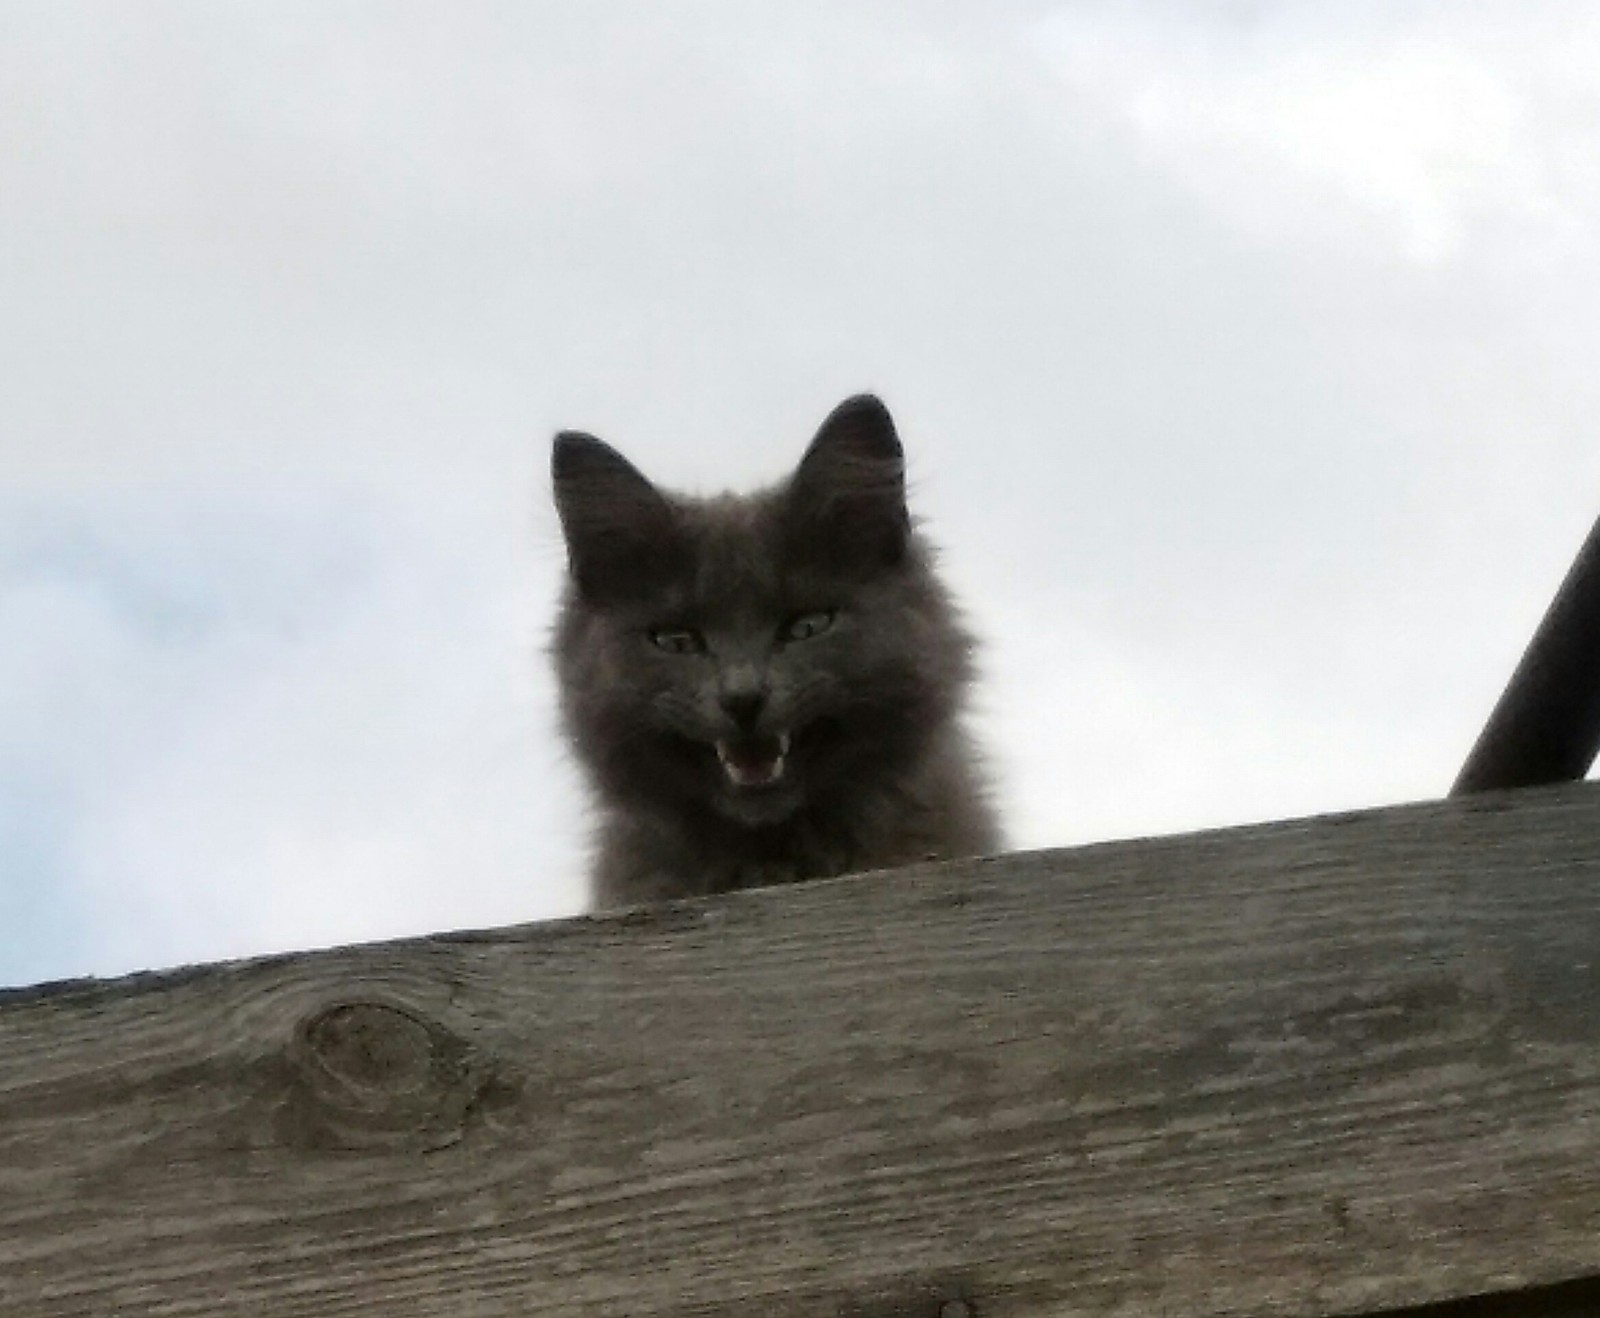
1242,351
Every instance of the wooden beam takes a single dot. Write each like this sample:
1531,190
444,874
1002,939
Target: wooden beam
1318,1067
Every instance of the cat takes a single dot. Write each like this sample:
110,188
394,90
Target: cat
762,688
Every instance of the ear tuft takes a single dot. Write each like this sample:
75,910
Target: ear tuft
862,425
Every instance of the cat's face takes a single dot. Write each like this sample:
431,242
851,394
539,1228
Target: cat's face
749,654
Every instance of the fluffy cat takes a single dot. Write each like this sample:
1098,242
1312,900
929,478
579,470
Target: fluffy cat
762,688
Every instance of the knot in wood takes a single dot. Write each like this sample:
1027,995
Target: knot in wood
369,1075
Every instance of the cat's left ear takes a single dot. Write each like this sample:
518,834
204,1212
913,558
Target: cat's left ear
847,499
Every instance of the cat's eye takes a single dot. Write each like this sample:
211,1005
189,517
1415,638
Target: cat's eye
677,640
803,626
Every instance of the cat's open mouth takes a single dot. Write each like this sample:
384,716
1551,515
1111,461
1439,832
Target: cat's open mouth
754,761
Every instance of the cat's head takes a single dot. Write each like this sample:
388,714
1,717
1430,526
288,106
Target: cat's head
752,654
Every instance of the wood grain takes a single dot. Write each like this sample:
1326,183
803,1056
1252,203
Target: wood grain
1317,1067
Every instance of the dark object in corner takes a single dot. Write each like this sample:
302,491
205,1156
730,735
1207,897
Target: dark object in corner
1570,1299
1546,726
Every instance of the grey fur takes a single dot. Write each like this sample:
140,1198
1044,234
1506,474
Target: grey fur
671,642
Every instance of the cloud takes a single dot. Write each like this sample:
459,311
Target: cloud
1241,354
1429,128
267,726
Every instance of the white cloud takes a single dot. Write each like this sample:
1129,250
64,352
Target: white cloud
1241,354
283,727
1424,124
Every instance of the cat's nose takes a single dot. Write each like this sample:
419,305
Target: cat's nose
744,705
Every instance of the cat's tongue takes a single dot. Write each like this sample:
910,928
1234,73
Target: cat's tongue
753,761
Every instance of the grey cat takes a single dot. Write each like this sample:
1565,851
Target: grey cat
762,688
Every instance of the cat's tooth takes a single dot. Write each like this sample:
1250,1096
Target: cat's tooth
731,767
777,767
783,748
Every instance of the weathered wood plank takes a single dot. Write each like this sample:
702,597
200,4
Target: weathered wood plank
1315,1067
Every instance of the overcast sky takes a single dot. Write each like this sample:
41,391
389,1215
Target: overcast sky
1243,352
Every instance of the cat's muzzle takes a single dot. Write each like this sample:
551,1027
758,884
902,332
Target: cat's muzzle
752,762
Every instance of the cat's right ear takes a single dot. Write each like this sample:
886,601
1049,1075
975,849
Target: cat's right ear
621,531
